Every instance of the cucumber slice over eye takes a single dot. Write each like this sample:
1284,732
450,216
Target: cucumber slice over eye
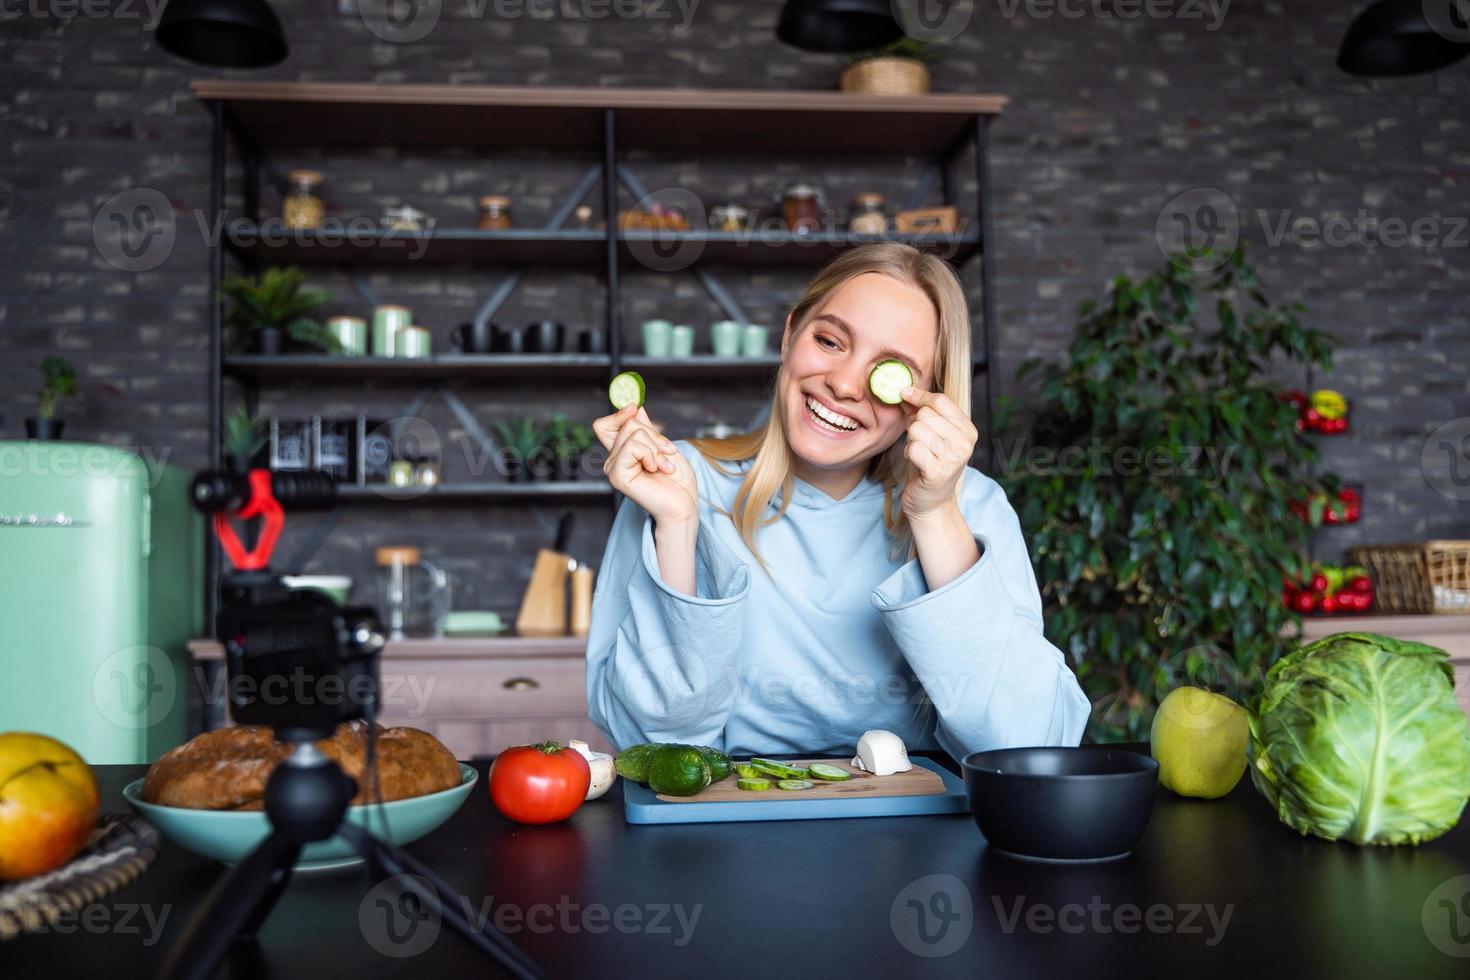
821,770
627,389
888,380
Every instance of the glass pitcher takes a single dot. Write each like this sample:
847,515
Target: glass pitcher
413,594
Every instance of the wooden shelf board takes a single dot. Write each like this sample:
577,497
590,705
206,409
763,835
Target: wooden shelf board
659,251
556,118
434,247
508,644
667,251
490,491
289,367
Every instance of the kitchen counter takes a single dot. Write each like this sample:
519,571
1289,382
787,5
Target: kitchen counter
597,897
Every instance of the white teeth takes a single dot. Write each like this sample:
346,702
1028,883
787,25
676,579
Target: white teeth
830,417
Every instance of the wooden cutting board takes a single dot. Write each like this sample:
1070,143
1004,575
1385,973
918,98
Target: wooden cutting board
926,788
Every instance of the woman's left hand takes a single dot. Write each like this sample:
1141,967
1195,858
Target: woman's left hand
941,440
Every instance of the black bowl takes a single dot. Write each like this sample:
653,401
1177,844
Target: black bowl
1061,804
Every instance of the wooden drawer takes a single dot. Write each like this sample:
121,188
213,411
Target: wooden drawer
519,687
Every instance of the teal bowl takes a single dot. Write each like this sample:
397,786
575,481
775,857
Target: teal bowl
229,835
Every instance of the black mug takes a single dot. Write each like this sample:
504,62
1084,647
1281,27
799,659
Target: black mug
545,337
507,340
474,338
592,341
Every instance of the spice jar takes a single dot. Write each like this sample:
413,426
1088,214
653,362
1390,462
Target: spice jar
404,218
729,217
494,213
801,209
867,215
302,206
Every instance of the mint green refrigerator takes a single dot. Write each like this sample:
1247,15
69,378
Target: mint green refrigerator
101,586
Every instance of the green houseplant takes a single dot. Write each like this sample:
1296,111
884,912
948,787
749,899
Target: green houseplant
567,442
58,382
265,311
244,437
1156,483
523,447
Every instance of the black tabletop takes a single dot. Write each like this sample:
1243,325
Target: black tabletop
1215,889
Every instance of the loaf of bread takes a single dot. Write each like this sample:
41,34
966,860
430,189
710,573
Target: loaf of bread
227,769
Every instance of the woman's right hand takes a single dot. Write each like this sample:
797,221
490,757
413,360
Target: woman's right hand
647,468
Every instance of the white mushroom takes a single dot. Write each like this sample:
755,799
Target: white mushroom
881,753
601,764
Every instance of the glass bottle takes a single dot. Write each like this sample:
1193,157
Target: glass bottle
302,206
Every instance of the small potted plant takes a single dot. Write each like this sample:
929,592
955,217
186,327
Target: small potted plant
898,68
244,438
59,380
267,312
522,448
567,441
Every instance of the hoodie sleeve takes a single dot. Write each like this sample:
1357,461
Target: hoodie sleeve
660,662
976,644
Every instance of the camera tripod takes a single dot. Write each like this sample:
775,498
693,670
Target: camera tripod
306,800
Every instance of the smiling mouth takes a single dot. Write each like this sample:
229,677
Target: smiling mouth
825,418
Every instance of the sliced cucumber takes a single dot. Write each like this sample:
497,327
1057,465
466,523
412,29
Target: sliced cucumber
627,389
794,784
747,771
821,770
755,785
778,769
888,380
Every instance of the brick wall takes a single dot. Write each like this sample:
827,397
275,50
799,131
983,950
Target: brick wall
1113,116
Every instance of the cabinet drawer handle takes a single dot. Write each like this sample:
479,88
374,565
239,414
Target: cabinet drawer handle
521,684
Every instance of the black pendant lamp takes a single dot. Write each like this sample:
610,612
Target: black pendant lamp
1404,37
223,33
838,25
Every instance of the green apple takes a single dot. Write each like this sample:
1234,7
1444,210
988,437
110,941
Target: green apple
1199,740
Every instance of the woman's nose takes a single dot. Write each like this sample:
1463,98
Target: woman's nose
848,382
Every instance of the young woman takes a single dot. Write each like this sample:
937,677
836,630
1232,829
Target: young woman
842,567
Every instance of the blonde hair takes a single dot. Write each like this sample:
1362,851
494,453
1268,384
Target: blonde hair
768,447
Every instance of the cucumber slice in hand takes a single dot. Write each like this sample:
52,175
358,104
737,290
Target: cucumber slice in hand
888,380
627,389
821,770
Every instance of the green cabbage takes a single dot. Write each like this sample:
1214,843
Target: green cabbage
1358,737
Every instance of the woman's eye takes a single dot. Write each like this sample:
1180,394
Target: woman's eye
827,342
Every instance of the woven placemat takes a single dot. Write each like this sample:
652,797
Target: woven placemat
119,850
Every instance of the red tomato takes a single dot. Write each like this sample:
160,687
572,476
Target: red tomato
1328,604
1305,602
1361,584
540,783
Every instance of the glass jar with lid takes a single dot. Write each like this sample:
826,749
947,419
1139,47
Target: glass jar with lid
801,209
302,206
868,217
494,212
404,217
729,217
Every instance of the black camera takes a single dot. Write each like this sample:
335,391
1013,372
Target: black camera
297,661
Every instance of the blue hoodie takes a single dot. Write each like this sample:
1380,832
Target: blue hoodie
838,638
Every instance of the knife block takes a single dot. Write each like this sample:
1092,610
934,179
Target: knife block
544,606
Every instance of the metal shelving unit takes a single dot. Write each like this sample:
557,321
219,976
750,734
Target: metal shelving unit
598,122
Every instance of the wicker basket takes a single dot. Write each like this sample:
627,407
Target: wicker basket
1433,577
886,76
